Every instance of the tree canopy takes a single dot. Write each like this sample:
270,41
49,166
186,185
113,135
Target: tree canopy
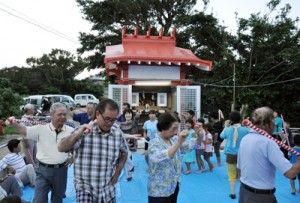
8,99
52,73
264,52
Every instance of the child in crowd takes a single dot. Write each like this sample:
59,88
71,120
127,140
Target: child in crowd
293,160
208,152
190,157
200,132
233,133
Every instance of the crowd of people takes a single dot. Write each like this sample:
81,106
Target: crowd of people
101,143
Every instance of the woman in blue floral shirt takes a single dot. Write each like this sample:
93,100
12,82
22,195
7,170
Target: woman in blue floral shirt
165,160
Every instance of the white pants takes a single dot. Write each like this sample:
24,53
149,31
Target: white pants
28,175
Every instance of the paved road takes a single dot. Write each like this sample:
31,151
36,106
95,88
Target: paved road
3,148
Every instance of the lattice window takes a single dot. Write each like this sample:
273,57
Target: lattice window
188,102
188,98
120,94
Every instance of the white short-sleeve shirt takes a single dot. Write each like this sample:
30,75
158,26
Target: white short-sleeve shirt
47,142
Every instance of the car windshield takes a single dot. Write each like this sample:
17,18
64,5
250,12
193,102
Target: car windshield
70,99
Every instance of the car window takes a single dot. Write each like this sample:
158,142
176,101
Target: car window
33,101
64,99
83,97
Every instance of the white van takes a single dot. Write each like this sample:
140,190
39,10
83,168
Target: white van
52,98
83,99
36,100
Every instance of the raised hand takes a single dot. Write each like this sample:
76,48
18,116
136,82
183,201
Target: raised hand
182,136
9,120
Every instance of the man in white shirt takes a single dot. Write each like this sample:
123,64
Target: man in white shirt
52,165
258,159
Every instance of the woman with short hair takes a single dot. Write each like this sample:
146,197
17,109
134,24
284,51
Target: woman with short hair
165,152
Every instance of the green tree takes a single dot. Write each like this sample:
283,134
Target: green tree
268,52
9,100
265,49
108,17
208,40
57,70
90,87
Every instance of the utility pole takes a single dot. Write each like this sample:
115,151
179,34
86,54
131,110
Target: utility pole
233,95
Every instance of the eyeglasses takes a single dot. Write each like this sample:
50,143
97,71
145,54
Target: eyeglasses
61,114
107,119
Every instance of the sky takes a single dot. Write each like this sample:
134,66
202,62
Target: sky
21,38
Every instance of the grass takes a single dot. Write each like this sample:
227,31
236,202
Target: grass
8,130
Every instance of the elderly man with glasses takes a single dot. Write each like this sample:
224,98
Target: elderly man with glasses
100,154
51,173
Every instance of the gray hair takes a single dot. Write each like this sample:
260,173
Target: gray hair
262,116
56,106
28,107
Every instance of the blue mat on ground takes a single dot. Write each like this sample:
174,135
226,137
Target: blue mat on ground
203,188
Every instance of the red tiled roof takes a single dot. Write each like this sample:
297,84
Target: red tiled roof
152,49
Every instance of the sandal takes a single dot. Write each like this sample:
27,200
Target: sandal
232,196
128,179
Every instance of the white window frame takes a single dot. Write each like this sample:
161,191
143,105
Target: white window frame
164,102
135,99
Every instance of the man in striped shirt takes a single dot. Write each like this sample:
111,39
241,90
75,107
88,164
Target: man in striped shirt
15,164
100,155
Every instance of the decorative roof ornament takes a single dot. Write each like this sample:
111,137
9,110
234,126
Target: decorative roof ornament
149,32
136,31
173,33
124,32
161,32
147,50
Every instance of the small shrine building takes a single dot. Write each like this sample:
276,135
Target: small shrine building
151,73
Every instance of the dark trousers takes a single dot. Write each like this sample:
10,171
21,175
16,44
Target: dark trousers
250,197
171,199
285,153
50,179
11,186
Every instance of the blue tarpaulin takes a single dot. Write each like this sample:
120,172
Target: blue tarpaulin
203,188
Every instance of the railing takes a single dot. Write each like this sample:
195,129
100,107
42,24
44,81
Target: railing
295,131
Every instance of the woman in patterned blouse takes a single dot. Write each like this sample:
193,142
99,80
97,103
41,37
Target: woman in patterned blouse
165,160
